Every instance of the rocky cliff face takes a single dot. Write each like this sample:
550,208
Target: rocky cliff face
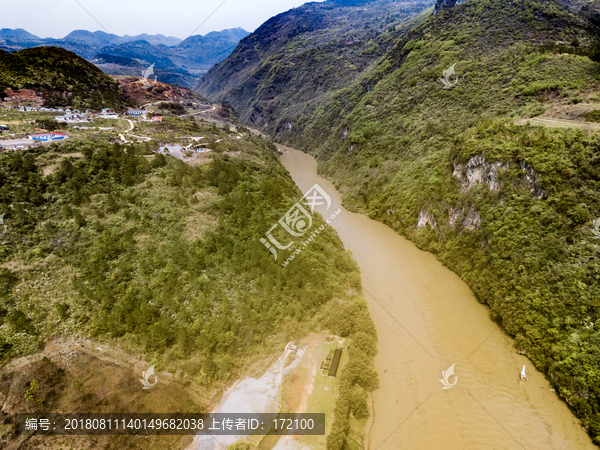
478,171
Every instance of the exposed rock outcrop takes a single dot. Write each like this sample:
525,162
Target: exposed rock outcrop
531,180
471,220
478,171
426,218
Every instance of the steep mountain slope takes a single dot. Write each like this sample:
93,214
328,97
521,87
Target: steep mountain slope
51,70
509,208
291,64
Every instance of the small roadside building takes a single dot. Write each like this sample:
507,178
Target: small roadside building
157,118
48,137
71,118
136,112
335,362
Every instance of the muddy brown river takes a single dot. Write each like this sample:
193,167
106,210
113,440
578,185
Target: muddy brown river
428,319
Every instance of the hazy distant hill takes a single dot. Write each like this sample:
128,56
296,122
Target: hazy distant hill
155,39
102,38
175,61
195,54
18,33
205,51
89,38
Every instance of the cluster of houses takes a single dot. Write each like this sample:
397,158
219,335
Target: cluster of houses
106,113
73,117
36,109
76,116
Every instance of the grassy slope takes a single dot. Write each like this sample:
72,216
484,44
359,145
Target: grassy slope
531,259
162,258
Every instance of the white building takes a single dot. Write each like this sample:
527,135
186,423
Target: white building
136,112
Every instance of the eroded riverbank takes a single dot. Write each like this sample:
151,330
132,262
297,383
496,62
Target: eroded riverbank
428,319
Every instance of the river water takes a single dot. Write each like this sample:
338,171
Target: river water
428,319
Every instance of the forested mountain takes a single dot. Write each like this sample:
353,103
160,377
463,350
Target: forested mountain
124,246
293,62
449,160
55,71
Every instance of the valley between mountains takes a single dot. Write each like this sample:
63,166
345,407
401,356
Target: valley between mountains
497,176
456,150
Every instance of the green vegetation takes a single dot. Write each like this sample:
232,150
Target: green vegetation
34,387
294,62
397,145
174,108
121,244
61,76
592,116
163,260
142,269
358,376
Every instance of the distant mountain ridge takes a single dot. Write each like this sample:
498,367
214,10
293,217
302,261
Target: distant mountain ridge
18,33
176,61
92,37
106,39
